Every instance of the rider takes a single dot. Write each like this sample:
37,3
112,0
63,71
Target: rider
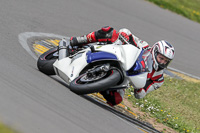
159,56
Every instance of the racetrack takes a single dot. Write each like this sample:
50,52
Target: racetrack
32,102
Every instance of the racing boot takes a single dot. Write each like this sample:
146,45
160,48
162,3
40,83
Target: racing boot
113,97
106,34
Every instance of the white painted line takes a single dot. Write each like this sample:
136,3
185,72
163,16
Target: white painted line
190,75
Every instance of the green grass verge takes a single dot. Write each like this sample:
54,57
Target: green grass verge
176,104
6,129
187,8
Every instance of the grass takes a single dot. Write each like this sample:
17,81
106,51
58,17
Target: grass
176,104
6,129
187,8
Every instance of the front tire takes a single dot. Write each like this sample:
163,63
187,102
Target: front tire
46,60
111,80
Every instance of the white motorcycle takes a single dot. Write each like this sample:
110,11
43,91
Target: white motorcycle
96,68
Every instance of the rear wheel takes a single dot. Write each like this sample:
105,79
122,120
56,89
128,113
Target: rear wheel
46,60
85,83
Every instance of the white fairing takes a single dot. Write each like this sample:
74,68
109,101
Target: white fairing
126,54
70,67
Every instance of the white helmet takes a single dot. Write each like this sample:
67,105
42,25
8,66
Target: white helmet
164,48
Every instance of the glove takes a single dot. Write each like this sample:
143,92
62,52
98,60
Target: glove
129,39
125,35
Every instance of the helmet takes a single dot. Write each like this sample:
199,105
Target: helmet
165,49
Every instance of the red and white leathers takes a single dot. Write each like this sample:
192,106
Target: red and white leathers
154,78
159,57
110,35
133,39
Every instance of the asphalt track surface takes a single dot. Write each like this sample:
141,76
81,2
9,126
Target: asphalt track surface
32,102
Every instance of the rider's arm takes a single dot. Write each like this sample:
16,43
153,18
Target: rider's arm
133,39
141,43
151,84
154,84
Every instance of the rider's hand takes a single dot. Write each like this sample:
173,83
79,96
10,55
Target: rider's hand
124,35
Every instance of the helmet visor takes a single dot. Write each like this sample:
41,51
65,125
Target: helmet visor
162,61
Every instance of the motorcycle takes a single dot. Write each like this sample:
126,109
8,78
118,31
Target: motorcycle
96,67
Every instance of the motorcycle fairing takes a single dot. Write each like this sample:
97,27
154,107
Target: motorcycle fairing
138,73
69,68
139,66
97,56
126,54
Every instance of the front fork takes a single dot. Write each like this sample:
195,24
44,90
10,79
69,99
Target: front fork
62,48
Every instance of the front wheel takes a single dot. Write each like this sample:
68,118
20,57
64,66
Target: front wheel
83,85
46,60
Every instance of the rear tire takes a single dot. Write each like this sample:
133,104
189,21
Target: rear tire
46,60
111,80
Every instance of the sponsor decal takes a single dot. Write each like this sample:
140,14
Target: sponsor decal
98,47
72,72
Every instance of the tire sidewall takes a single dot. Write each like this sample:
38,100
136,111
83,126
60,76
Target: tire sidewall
44,65
98,86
